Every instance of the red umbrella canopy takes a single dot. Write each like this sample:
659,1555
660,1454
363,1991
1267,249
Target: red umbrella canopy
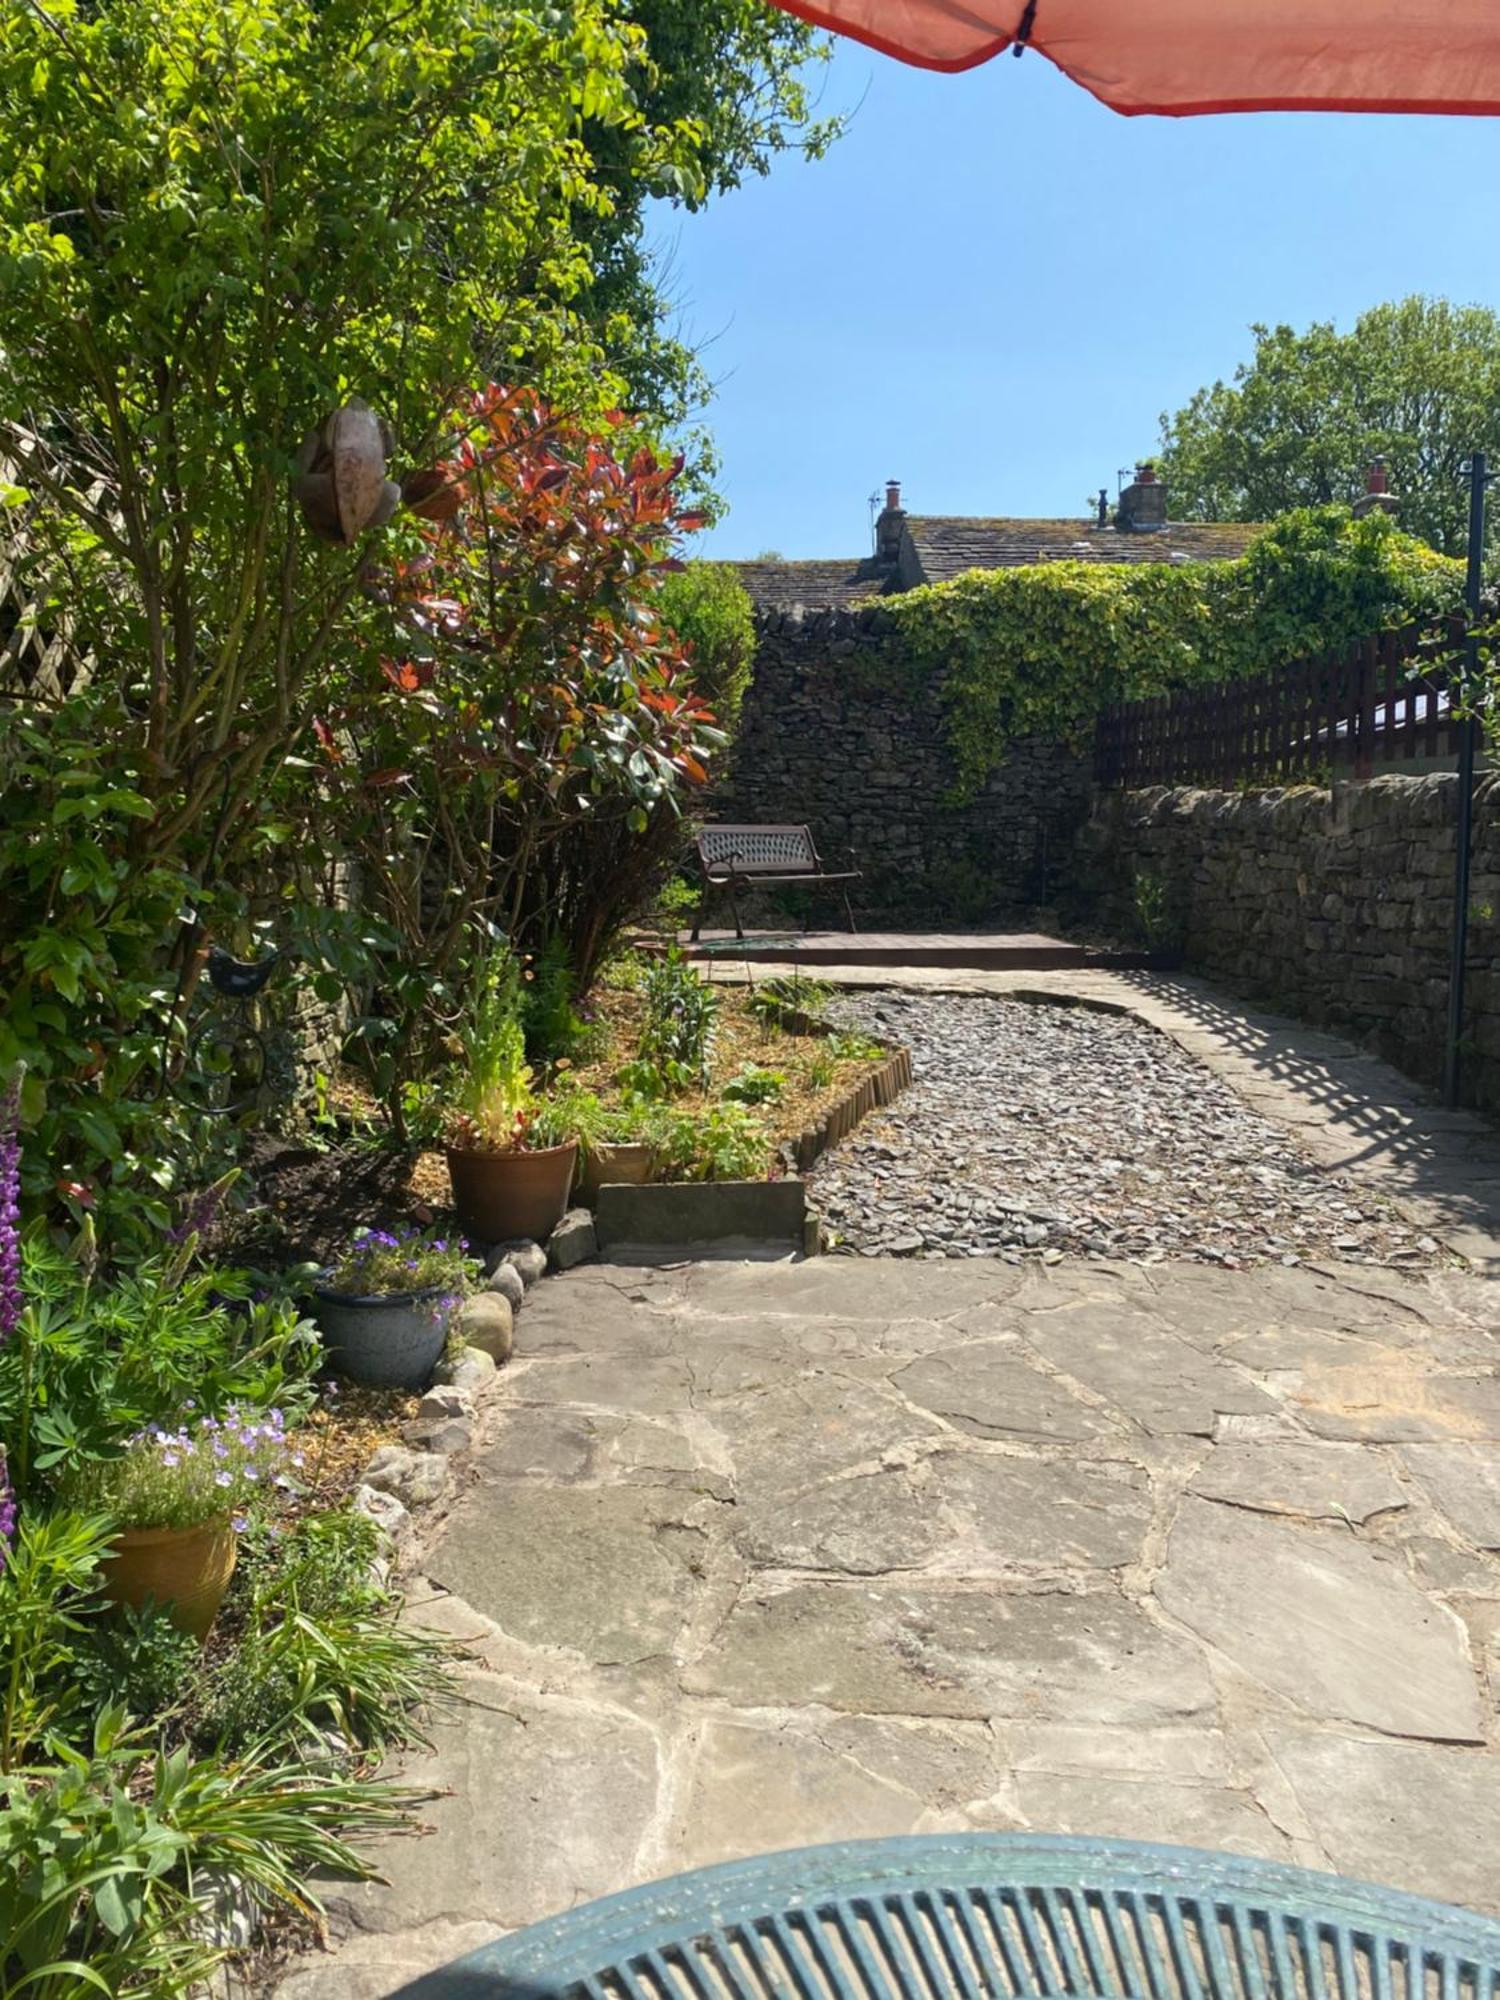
1181,57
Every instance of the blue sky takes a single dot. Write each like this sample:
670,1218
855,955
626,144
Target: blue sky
992,287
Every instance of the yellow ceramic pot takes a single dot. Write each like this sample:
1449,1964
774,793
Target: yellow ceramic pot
185,1570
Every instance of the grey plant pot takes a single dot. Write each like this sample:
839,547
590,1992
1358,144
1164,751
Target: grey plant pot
388,1340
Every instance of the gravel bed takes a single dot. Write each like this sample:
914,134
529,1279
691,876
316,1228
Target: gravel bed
1042,1131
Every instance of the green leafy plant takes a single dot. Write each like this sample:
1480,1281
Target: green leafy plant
848,1045
709,609
383,1261
823,1068
138,1658
790,994
752,1084
91,1363
492,1099
104,1858
320,1652
1154,919
179,1478
48,1573
681,1010
724,1142
566,1115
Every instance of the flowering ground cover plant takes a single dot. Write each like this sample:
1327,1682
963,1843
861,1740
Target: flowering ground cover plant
180,1478
380,1262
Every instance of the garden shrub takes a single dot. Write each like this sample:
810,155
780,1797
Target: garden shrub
709,610
218,223
1043,649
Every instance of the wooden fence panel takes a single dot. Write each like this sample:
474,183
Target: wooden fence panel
1369,707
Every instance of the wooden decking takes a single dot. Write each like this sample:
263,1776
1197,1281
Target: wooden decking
1027,951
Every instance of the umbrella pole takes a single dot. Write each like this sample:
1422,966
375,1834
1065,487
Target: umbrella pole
1468,743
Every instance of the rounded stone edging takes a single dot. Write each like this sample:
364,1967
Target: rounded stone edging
416,1474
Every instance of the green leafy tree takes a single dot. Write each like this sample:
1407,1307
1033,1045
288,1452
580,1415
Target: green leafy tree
736,78
219,220
1416,382
706,605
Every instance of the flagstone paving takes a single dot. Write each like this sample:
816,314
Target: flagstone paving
752,1555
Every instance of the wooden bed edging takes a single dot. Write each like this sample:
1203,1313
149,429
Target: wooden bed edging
881,1087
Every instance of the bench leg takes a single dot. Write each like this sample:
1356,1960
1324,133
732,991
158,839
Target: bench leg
849,913
734,904
702,910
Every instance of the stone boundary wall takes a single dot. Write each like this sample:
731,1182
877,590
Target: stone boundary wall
823,739
1335,906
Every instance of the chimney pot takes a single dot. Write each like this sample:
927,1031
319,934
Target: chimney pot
1377,497
888,527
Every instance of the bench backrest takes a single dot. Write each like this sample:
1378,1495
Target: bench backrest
757,850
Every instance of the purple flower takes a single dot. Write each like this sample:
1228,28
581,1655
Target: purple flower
10,1210
7,1510
239,1524
222,1479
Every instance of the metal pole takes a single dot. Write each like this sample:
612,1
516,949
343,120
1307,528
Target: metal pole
1468,743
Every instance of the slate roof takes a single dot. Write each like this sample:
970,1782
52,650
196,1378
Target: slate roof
947,545
779,585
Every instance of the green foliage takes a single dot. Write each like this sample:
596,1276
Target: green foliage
680,1014
552,1024
49,1571
138,1658
105,1858
1153,916
754,1084
724,1142
790,993
319,1652
91,1365
182,1478
217,224
708,607
854,1047
1415,381
1043,649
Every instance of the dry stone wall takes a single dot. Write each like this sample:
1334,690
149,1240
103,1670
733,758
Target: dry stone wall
1336,906
830,734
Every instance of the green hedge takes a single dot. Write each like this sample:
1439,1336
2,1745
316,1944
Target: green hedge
1041,650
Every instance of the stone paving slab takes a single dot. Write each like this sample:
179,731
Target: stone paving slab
752,1555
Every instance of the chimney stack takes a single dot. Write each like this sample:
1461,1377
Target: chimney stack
1143,503
890,524
1377,496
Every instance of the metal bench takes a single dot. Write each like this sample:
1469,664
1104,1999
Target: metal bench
740,857
989,1917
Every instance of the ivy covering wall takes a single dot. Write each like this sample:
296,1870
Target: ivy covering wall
1015,653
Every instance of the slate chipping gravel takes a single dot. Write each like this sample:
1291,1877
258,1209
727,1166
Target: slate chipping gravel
1038,1131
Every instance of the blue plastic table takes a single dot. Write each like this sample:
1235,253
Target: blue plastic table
992,1915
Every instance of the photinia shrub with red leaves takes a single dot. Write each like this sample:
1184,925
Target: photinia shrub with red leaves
526,733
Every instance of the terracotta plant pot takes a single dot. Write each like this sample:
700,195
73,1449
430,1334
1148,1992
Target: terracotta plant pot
629,1161
387,1340
501,1196
185,1570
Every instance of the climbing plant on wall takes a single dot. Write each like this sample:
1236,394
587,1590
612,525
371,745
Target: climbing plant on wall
1042,649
